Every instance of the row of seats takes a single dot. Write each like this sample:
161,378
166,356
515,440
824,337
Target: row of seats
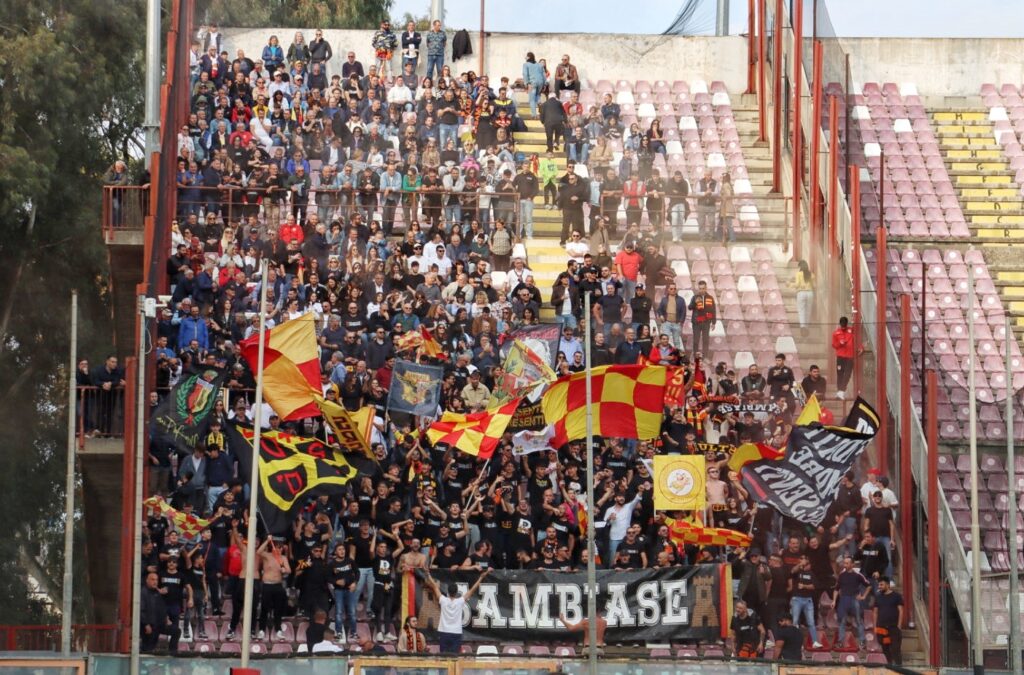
920,199
699,128
944,292
754,322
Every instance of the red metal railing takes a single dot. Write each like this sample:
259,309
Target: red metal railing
84,638
99,413
125,207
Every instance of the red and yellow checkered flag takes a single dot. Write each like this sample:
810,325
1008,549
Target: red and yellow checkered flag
189,525
476,433
627,403
686,532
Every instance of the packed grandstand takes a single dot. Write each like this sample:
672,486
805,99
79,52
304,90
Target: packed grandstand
437,234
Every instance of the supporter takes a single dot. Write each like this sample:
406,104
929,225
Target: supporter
842,344
436,40
888,618
748,633
566,77
853,589
703,316
708,195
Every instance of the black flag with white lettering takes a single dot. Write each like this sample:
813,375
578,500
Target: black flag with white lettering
803,484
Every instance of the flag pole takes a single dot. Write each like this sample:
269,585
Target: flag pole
972,402
1011,460
140,436
591,505
69,489
254,476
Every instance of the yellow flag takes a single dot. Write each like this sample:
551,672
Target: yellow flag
811,412
679,482
352,436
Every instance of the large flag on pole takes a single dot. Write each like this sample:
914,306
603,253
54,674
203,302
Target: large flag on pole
627,403
291,469
291,368
476,433
803,484
181,418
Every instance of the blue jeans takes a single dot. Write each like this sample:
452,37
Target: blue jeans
434,61
365,583
678,218
453,214
674,331
628,289
578,155
804,606
849,605
526,217
533,92
887,543
613,546
447,131
345,611
567,320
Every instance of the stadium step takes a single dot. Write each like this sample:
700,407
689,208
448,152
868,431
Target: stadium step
989,195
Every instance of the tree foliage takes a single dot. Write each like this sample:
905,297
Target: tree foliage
296,13
70,103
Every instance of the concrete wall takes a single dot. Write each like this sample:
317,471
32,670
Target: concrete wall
938,66
608,57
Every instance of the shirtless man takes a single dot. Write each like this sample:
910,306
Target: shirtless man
717,488
412,559
584,627
274,567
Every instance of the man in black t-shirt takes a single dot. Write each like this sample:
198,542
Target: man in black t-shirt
777,604
879,520
888,621
747,633
788,640
873,557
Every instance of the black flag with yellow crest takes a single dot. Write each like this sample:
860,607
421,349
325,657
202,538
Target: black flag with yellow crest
292,469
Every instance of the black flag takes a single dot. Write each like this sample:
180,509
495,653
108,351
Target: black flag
292,470
803,484
181,418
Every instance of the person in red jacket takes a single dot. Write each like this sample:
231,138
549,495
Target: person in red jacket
842,343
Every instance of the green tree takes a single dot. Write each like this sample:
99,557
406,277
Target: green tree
296,13
70,103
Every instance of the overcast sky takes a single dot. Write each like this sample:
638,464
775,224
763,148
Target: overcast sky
851,18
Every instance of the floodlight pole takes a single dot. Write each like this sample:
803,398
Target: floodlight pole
591,505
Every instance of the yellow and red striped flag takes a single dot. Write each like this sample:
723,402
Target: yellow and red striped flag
422,339
684,532
291,367
476,433
627,402
430,346
753,452
189,525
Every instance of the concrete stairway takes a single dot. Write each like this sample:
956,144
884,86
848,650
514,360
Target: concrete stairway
990,198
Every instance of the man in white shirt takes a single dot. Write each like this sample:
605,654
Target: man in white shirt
449,627
619,517
400,93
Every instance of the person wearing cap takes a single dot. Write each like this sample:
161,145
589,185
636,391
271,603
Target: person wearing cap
384,42
627,268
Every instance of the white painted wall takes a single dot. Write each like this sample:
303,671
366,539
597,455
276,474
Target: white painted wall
938,66
607,57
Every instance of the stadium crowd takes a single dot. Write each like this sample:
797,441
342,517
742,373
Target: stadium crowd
386,199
